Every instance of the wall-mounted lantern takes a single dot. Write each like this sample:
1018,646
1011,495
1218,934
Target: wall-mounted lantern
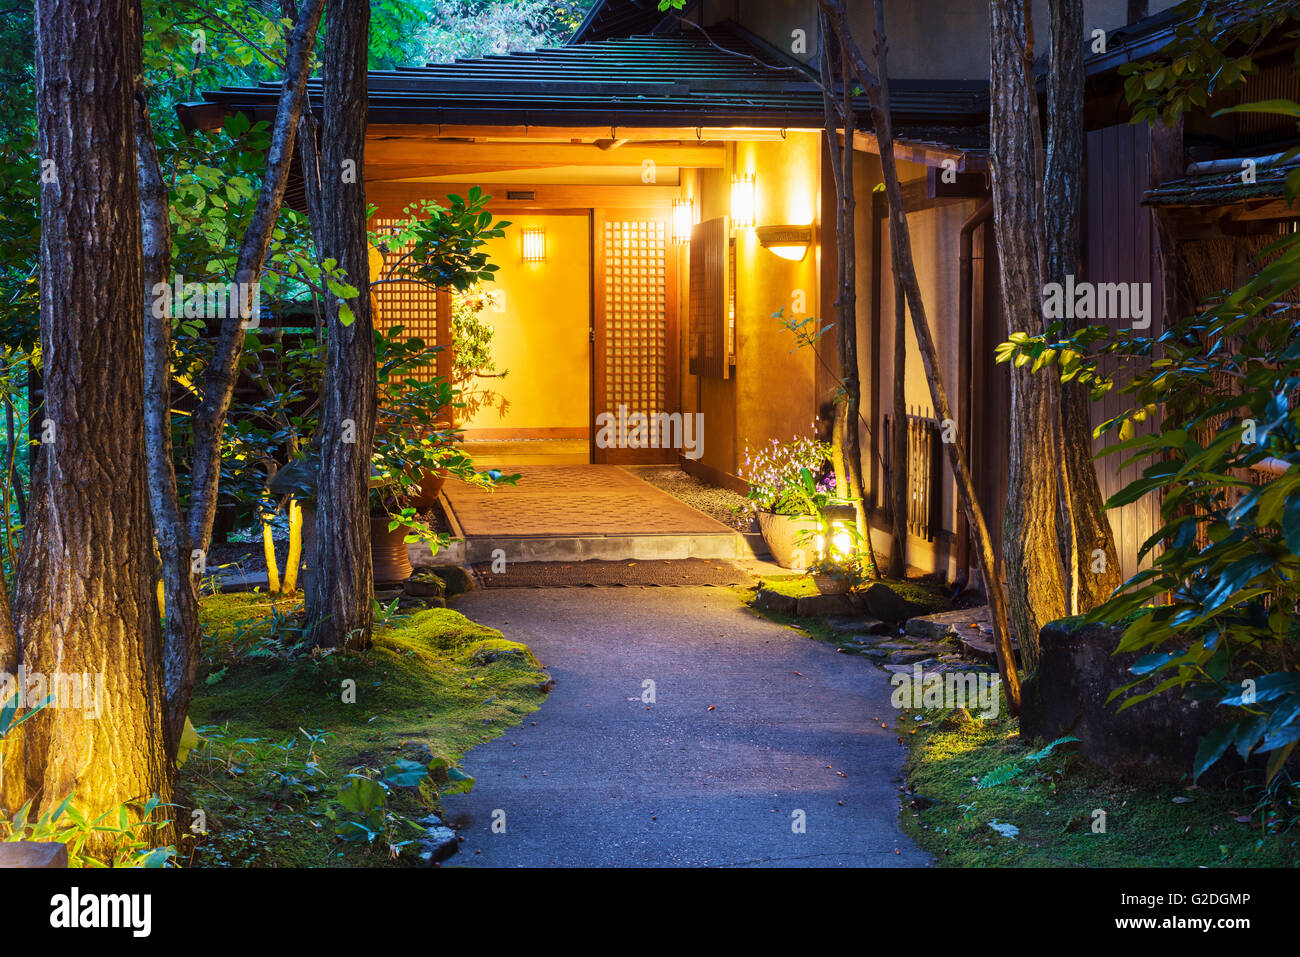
534,244
683,220
788,242
743,200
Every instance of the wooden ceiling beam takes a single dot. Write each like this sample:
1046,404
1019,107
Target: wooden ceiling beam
402,152
390,198
630,133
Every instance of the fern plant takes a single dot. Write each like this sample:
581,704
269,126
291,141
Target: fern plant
1013,769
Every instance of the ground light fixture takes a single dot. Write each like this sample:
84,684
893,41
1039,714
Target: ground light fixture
743,200
683,220
534,239
788,242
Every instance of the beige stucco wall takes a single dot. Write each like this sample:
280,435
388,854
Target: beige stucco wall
771,393
542,334
771,390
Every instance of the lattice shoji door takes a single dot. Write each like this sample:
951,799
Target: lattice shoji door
635,330
411,305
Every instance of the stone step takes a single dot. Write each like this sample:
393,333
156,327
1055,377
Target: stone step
945,623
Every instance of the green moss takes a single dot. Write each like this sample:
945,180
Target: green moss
1052,803
795,586
932,597
434,683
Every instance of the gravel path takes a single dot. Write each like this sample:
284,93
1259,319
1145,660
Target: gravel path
723,505
754,728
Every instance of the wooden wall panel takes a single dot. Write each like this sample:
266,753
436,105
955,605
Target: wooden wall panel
1120,246
710,299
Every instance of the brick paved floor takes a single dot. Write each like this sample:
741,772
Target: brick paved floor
563,500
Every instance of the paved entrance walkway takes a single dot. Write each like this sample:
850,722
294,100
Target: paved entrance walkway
752,723
557,500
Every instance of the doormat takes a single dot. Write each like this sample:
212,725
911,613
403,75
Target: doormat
682,571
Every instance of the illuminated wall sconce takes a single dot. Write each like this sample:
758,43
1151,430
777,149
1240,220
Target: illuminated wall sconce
743,200
788,242
683,220
534,244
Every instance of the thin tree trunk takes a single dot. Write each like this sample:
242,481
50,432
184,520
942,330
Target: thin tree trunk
221,373
1087,543
183,538
846,324
180,581
898,439
1030,544
85,602
342,583
901,245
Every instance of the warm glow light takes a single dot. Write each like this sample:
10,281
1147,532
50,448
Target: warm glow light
683,220
534,244
788,242
743,200
841,543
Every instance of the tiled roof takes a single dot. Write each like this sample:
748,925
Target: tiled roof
674,79
1221,188
622,18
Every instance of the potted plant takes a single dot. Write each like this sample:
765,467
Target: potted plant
835,576
787,493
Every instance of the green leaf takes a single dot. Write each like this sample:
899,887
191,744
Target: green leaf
1211,748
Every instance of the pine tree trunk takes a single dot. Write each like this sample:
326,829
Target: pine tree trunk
342,583
1030,541
84,599
1087,544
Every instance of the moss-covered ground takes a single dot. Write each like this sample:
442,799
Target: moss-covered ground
1051,802
281,729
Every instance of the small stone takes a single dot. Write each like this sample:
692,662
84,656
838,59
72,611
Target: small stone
884,603
437,844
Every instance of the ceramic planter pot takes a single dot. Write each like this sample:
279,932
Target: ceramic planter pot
832,585
781,534
431,484
388,551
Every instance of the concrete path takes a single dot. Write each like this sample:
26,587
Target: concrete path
598,778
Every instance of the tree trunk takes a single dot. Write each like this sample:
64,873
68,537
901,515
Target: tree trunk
1088,552
183,539
905,270
342,583
84,600
898,439
846,318
180,580
1030,543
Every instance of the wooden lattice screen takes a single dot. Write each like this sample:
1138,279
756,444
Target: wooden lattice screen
635,329
710,299
411,305
924,474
